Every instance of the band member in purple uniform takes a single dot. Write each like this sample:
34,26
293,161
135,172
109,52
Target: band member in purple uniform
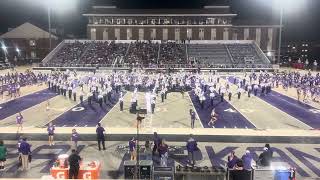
51,130
19,121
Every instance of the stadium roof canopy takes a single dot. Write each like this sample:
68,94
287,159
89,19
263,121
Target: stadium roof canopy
27,31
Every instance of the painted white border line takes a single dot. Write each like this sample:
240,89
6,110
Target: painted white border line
272,106
194,109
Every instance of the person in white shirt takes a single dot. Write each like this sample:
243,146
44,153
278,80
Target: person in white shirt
213,118
100,99
212,95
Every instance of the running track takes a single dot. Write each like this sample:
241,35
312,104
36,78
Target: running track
85,115
14,106
228,117
301,111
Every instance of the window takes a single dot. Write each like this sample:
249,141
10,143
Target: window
117,33
93,34
189,33
165,34
153,34
32,43
141,34
201,33
213,34
33,54
129,34
177,34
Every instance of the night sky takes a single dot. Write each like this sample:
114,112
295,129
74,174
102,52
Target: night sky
299,24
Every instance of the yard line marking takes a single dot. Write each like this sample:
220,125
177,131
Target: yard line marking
194,109
115,105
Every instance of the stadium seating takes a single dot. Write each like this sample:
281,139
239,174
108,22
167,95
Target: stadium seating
102,53
242,52
172,53
209,53
156,53
70,54
142,53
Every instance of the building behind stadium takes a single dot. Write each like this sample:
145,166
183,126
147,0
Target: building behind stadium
208,23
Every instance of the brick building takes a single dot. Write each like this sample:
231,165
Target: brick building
208,23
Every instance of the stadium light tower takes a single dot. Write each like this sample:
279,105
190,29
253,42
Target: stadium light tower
59,5
49,24
288,5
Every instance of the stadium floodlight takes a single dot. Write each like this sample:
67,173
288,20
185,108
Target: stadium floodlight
18,50
4,47
59,6
287,6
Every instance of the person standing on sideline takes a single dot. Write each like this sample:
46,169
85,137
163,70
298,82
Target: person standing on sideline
247,160
232,160
191,147
193,117
156,143
74,139
153,105
132,149
74,163
3,155
100,137
121,102
25,151
19,120
51,130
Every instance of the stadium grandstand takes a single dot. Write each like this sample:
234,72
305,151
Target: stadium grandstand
153,53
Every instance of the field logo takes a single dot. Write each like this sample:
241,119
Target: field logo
315,111
76,109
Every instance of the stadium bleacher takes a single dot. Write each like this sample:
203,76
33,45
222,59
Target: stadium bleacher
157,53
209,53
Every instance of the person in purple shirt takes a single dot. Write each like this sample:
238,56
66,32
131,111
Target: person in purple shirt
74,139
232,160
132,149
51,130
19,121
100,136
247,160
191,147
156,143
193,118
24,150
